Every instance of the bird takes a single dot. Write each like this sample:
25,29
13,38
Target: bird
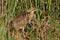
23,18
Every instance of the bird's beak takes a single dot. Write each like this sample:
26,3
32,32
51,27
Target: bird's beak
32,10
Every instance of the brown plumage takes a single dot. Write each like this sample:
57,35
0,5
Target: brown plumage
23,18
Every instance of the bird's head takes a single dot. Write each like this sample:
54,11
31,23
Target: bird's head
32,10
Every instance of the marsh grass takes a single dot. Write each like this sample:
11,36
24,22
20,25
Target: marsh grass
46,26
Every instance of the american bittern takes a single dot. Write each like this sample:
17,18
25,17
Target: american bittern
23,18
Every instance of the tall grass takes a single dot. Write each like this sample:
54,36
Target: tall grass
47,24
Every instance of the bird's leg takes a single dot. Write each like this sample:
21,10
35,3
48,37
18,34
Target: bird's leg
23,31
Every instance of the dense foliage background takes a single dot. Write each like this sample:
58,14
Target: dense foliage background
48,19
